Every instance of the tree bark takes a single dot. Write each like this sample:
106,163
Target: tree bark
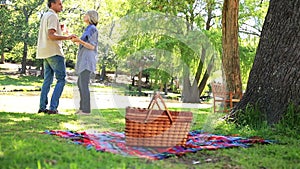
24,58
25,44
230,55
140,80
274,80
2,61
190,92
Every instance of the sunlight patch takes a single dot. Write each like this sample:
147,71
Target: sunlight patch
70,126
21,119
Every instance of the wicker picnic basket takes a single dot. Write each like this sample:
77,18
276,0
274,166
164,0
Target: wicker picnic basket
156,128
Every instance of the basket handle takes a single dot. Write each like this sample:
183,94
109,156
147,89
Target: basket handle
154,101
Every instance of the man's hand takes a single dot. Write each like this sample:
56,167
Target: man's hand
71,37
53,36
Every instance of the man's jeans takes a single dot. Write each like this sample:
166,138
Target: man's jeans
54,65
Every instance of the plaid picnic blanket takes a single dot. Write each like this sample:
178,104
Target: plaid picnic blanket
114,142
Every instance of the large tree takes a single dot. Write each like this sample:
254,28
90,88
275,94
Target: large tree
274,80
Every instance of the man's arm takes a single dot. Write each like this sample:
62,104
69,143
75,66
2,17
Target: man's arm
52,36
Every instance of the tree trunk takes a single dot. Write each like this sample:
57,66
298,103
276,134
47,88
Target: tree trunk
103,71
274,80
166,88
25,43
24,58
140,80
230,59
133,80
2,61
190,92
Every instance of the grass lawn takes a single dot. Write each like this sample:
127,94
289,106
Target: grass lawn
22,146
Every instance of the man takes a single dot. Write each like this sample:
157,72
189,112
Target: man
49,48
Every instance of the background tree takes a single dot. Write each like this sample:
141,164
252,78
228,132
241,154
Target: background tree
110,11
191,11
107,56
199,15
8,22
251,19
274,78
230,54
27,9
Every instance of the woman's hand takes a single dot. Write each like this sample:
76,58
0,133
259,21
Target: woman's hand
75,38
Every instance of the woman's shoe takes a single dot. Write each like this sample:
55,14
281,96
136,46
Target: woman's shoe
80,112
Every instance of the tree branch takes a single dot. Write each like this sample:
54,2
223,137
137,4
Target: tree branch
249,33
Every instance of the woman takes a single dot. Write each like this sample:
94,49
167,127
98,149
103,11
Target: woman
86,59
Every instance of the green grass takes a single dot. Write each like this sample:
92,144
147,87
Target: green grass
23,146
20,80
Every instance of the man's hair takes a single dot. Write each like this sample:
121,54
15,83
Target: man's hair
49,2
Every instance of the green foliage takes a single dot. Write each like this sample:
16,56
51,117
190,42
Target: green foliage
7,29
215,37
159,76
251,117
290,122
247,55
251,16
21,27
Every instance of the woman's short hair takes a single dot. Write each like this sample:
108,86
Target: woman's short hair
93,17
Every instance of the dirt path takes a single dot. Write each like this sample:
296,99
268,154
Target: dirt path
99,100
29,104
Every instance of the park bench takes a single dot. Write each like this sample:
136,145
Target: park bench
33,72
221,95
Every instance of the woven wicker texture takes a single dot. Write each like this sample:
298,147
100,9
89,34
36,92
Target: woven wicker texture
156,128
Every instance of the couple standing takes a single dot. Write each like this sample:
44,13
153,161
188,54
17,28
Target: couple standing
49,49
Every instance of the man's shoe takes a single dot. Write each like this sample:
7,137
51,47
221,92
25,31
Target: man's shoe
52,112
43,111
